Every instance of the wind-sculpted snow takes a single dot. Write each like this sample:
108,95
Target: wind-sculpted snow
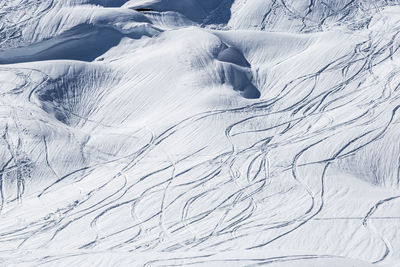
215,133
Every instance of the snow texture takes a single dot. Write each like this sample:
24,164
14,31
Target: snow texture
200,133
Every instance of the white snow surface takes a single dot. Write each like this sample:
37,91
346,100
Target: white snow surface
200,133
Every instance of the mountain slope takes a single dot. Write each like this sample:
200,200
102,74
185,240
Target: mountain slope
161,133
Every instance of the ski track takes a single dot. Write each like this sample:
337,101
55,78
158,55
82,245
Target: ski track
269,182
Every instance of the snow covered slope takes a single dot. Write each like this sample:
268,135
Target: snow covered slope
200,132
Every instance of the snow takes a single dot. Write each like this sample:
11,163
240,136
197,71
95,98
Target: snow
214,132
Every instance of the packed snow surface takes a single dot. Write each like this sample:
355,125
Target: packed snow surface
200,133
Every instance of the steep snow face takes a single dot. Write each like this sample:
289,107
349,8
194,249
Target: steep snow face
273,15
213,132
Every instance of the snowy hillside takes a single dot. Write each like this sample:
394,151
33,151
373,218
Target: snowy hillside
200,133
